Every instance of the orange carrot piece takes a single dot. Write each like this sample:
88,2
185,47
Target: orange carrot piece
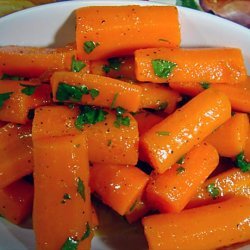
130,28
118,186
169,140
247,146
16,201
137,211
112,92
15,152
18,104
33,62
230,138
232,182
106,143
158,97
146,121
208,227
191,65
62,207
172,190
123,69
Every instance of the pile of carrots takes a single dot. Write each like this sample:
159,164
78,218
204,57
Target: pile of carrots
156,132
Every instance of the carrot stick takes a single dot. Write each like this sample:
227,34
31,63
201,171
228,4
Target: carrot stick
208,227
172,190
130,29
168,141
161,65
247,146
33,62
115,67
106,142
232,182
62,207
159,98
15,152
235,130
239,95
109,92
24,93
118,186
16,201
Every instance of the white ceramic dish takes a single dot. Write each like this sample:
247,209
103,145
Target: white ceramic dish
53,25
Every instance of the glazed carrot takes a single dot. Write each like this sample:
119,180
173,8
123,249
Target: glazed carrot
106,143
94,217
16,100
158,97
172,190
161,65
34,62
62,207
230,138
16,201
232,182
239,95
109,92
169,140
15,152
247,147
137,211
129,27
208,227
146,120
118,186
115,67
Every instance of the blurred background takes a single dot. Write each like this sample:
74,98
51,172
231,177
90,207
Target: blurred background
234,10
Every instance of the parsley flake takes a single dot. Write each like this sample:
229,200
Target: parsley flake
162,106
77,66
94,93
70,244
213,191
89,46
241,163
163,68
9,77
114,101
120,119
66,197
4,97
180,170
162,133
87,232
81,188
133,206
109,143
113,63
28,89
205,85
181,160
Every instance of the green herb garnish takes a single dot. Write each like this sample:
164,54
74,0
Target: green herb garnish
114,101
133,206
109,143
205,85
163,68
180,170
81,188
4,97
77,66
241,163
162,133
213,191
120,119
89,115
94,93
114,63
9,77
70,244
28,89
162,106
66,197
89,46
181,160
87,232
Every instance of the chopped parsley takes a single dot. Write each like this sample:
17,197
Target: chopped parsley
77,66
163,68
113,63
9,77
70,244
120,118
89,115
162,133
241,163
114,101
205,85
181,160
180,170
66,197
109,143
133,206
81,188
28,89
87,232
162,106
89,46
67,92
213,191
4,97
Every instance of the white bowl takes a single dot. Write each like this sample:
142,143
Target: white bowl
53,25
